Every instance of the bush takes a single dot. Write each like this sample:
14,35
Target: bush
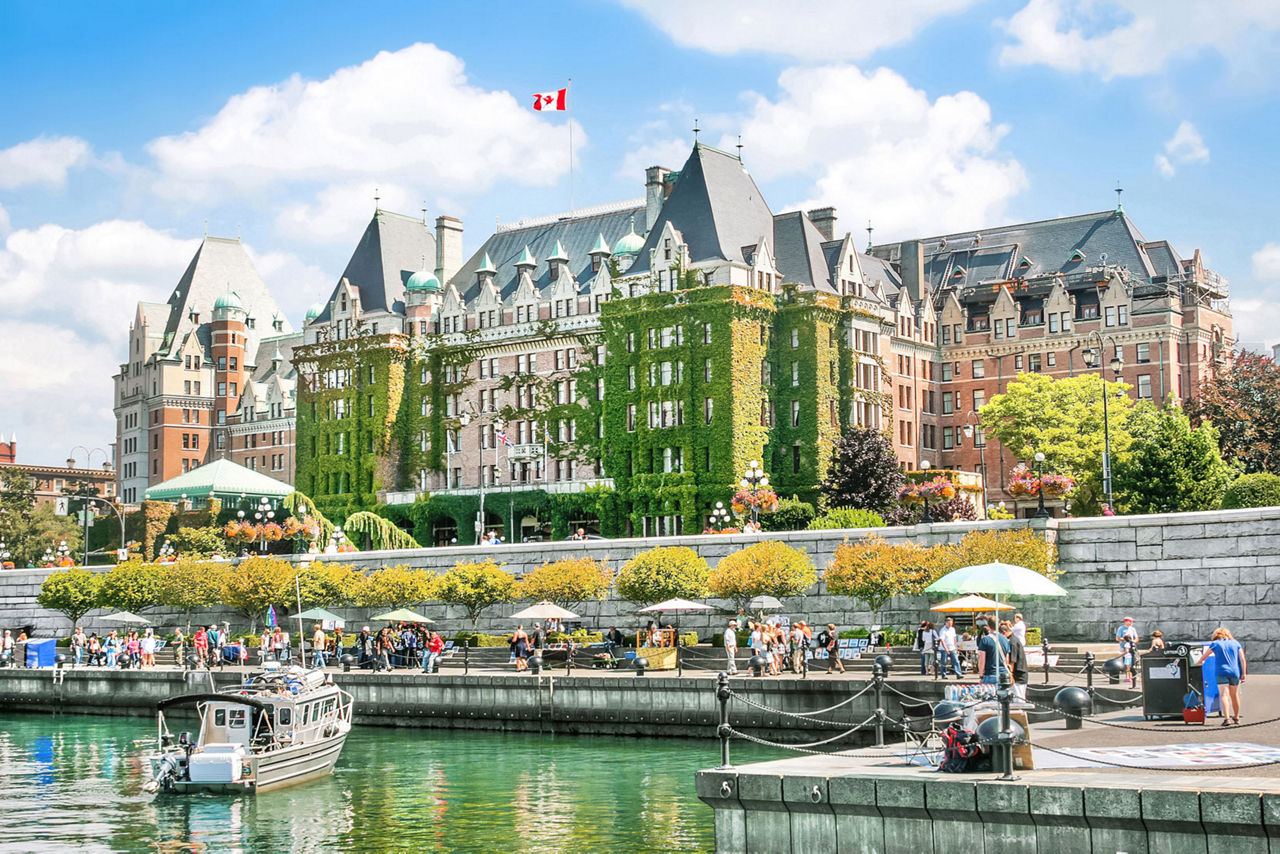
1253,490
567,582
479,639
198,542
1035,636
792,515
662,573
847,517
691,639
768,568
578,637
1020,547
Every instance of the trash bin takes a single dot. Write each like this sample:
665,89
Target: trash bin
40,653
1166,679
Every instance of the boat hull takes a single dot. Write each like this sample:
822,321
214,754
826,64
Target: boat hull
287,766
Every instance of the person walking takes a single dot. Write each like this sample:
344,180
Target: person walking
318,645
1231,669
949,650
520,646
78,642
799,643
926,644
366,647
991,658
1127,637
1017,662
831,642
179,645
6,649
1020,630
731,647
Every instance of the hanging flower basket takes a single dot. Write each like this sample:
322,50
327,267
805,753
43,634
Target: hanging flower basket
765,500
1025,483
939,489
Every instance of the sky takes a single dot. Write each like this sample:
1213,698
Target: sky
128,129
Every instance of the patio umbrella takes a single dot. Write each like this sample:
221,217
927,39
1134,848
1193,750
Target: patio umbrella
402,615
543,610
676,606
763,603
271,616
126,618
320,614
998,579
970,603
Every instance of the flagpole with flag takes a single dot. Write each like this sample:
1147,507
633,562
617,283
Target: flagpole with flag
569,109
558,101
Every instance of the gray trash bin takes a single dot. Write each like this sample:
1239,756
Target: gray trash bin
1166,679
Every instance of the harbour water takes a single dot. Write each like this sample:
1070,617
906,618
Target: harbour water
74,783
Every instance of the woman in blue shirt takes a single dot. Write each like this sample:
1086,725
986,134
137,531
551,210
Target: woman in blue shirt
1231,669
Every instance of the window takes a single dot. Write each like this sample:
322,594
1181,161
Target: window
706,370
979,399
1009,328
1033,317
946,335
946,372
1066,321
999,329
1144,386
1144,353
948,400
795,413
631,378
1122,314
979,369
948,438
795,458
1089,311
186,440
795,338
706,333
1051,359
195,437
707,406
222,389
1017,363
631,342
222,363
233,363
1110,315
186,387
795,373
1033,362
1053,323
197,386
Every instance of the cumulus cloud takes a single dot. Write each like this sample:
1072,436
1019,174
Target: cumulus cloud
839,31
1125,38
1185,146
44,161
1266,262
340,211
879,149
407,118
4,221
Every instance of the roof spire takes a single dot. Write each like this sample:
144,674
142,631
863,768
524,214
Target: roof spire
696,131
869,230
739,148
377,198
1119,191
424,222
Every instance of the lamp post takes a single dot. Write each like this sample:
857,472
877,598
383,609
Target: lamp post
719,518
464,419
1041,512
753,480
925,465
63,552
1093,359
971,432
263,514
166,551
336,538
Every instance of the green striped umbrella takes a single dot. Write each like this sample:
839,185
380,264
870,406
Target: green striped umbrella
996,579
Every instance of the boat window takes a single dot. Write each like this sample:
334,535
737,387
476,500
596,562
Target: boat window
285,716
237,718
328,706
220,717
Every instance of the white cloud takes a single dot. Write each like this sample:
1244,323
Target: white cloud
836,31
1256,319
1123,38
406,118
877,148
1266,262
294,283
1185,146
340,211
4,221
44,161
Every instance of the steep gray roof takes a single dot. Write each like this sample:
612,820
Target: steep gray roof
878,269
1164,260
267,348
392,248
797,248
576,234
1048,245
716,206
220,264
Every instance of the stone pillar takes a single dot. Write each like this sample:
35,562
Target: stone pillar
1232,822
953,806
1058,813
768,825
1173,821
907,826
719,790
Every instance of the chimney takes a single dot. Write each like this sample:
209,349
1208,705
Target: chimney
912,261
655,193
824,219
448,247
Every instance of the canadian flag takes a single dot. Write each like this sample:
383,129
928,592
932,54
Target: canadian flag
556,100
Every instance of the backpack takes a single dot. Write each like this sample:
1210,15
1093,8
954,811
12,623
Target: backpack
960,750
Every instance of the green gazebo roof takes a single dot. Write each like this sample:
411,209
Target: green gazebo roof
223,478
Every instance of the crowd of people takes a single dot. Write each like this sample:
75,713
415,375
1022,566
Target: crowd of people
782,647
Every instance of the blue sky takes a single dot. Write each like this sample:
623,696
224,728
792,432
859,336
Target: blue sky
127,126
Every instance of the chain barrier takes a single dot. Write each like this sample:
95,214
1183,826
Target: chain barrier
1113,725
803,749
805,716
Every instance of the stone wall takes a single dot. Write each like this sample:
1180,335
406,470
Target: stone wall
1184,573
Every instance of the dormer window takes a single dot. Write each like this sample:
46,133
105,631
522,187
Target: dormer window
344,302
958,273
194,317
277,325
1025,263
666,249
1077,256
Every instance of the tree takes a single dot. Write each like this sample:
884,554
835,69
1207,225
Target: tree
365,528
131,586
1061,418
567,582
768,568
17,502
864,471
71,592
190,583
1260,489
475,587
256,584
198,541
329,584
1170,467
665,572
875,571
396,587
1020,547
1242,403
792,515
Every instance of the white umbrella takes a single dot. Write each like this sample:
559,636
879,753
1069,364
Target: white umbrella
543,610
764,603
676,605
126,618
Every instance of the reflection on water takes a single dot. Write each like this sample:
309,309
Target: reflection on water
76,783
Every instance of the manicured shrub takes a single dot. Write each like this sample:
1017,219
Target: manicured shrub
768,568
1253,490
847,517
792,515
665,572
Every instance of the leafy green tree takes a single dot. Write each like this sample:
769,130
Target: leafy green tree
874,570
768,568
567,582
1260,489
45,529
328,584
1242,402
792,515
847,517
1061,418
475,587
198,541
17,503
665,572
71,592
189,584
131,586
256,584
396,587
1170,467
864,471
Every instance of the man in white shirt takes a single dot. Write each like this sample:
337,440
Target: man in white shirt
949,650
1020,629
799,643
731,646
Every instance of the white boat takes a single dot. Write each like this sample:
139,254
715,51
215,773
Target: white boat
280,727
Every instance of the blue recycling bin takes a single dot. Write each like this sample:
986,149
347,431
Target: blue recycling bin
40,653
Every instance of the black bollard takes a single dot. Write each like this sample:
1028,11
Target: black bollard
535,664
640,664
722,694
757,664
466,658
347,660
1088,672
1044,648
877,679
1074,702
1004,756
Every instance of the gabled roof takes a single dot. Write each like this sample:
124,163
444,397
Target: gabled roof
222,477
797,246
717,207
391,250
219,265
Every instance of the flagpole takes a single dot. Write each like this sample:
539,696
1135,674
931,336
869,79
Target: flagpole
568,103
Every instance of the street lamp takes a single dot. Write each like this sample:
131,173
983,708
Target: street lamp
971,432
753,480
1093,359
464,419
1041,512
47,557
719,517
166,551
63,552
264,514
336,538
925,465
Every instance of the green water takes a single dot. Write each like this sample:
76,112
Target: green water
71,783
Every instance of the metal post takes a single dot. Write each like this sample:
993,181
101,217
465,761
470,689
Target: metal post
1041,512
877,679
1044,647
679,659
84,510
1005,755
724,730
1088,672
466,657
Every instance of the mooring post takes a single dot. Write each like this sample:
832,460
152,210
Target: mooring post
724,730
466,656
1088,672
1044,648
877,679
1005,738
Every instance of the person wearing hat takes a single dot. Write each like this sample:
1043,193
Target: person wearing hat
832,645
731,646
1127,637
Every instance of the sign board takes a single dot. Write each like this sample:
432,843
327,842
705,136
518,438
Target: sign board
60,505
122,555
